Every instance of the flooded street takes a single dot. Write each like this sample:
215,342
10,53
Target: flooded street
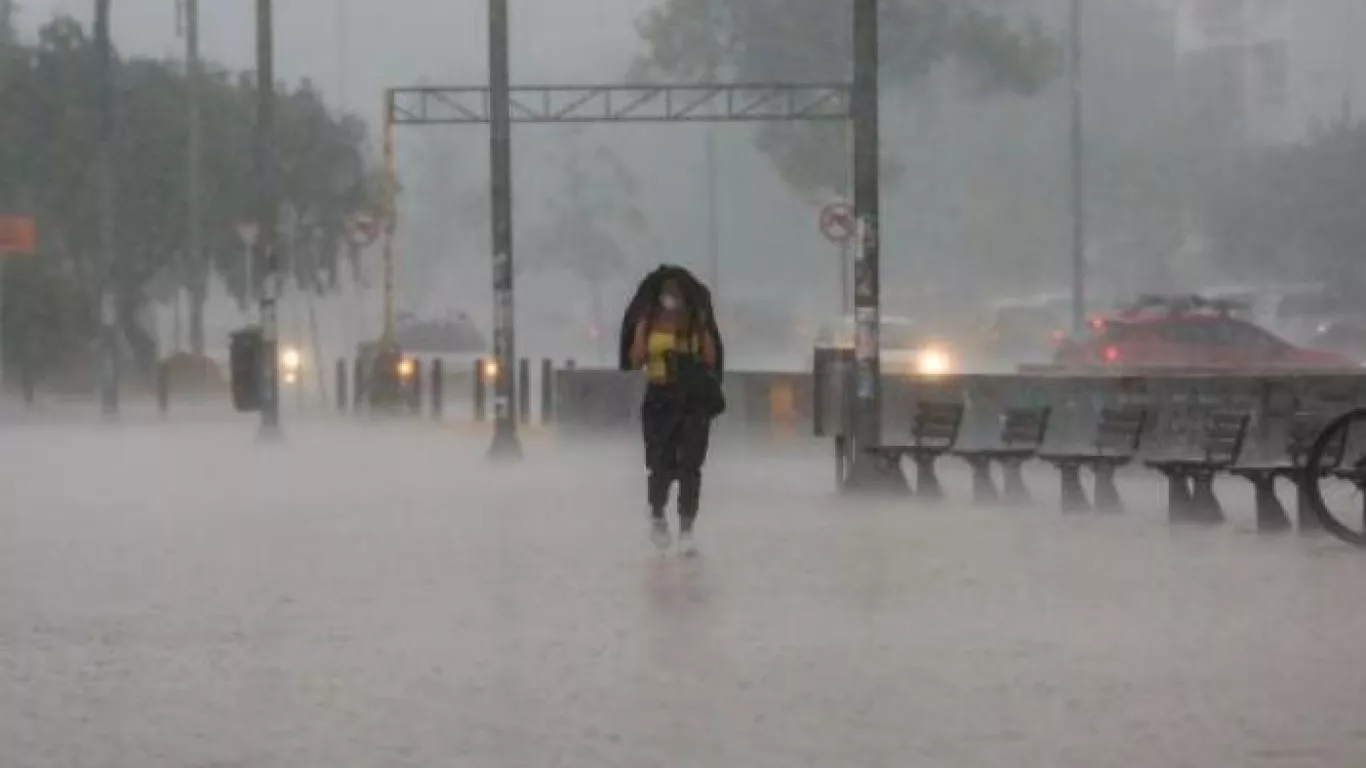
364,598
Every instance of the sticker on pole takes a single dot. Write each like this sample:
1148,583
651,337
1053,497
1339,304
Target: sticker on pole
18,235
362,229
837,223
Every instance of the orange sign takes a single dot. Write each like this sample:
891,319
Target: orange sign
18,234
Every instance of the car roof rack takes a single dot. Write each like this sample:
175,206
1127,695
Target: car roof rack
1184,304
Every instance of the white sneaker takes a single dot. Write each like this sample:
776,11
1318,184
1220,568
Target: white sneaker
686,546
659,533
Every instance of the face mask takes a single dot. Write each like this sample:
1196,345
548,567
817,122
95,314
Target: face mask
669,302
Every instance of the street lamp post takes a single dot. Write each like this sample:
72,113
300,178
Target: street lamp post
266,253
1078,176
104,164
191,272
506,444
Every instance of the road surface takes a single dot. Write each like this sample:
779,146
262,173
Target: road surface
178,596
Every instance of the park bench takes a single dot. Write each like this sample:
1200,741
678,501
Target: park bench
1118,434
1305,428
1190,480
1022,435
934,432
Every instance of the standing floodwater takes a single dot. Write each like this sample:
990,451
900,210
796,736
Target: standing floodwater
177,596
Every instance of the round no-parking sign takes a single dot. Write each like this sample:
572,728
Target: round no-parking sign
837,223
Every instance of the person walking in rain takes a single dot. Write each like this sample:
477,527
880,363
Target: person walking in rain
670,332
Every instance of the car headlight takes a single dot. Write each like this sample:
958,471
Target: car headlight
406,368
933,362
291,360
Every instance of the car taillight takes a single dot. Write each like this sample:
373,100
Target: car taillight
1111,354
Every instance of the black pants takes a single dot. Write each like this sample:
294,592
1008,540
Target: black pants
676,441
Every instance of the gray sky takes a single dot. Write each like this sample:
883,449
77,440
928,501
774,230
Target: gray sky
386,43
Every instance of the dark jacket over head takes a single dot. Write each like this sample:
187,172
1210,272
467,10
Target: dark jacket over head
695,294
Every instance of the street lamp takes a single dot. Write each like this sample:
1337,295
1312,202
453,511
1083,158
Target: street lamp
1078,180
104,164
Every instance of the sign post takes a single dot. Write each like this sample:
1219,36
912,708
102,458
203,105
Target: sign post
247,232
869,471
838,226
362,231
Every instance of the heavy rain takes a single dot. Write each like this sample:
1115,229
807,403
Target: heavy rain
995,403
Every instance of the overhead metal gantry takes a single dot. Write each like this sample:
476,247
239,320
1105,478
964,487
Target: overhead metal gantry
624,103
739,102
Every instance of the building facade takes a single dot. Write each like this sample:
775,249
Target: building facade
1269,71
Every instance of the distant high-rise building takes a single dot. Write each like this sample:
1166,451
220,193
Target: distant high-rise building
1268,71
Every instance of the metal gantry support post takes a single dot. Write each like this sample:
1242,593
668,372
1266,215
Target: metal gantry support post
266,215
713,222
390,221
104,165
506,444
869,471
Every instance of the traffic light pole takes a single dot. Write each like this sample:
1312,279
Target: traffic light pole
868,472
266,215
506,444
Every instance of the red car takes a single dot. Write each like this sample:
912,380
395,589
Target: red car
1189,333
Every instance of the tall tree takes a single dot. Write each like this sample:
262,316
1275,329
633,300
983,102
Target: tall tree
811,41
591,227
49,96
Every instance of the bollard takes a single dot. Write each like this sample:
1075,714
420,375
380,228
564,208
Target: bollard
415,388
438,389
163,387
479,389
547,391
524,389
820,365
358,388
342,399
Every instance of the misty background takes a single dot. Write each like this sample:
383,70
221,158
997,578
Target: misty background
977,211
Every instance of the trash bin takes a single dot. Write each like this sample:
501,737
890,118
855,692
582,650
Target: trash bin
246,352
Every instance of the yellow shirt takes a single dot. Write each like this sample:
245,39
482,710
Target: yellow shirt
657,346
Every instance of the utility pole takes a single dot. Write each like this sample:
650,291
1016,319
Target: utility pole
506,444
868,472
1078,176
195,269
266,214
104,166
